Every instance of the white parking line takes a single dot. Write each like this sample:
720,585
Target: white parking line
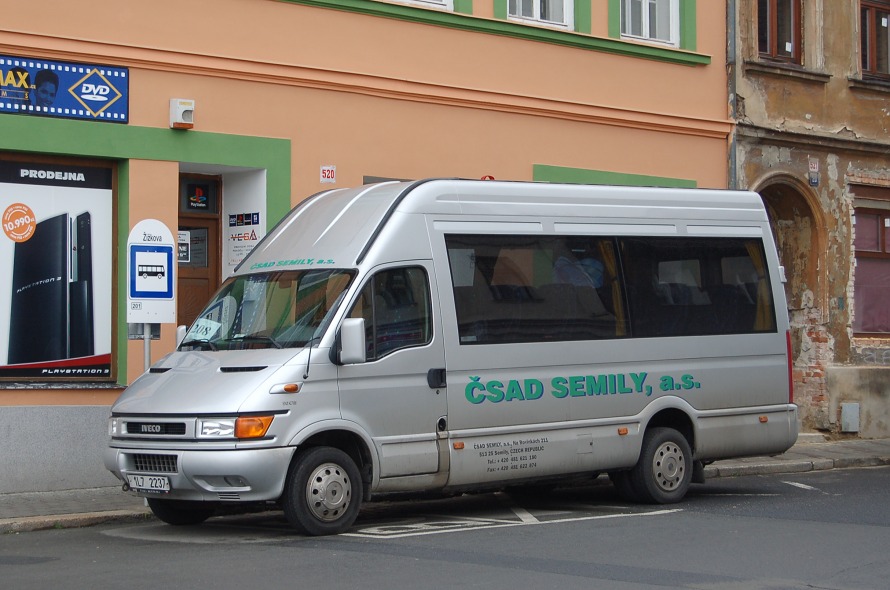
520,512
400,531
802,486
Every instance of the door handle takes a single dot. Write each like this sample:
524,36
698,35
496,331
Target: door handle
435,378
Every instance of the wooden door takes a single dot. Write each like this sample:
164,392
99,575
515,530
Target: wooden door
199,277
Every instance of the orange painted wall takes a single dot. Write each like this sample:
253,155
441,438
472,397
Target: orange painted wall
385,97
382,97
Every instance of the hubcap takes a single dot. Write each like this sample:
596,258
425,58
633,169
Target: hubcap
328,492
668,466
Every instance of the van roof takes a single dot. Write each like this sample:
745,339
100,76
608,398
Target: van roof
345,222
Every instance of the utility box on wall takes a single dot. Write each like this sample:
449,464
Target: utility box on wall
850,417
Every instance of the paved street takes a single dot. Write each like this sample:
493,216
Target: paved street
83,507
825,529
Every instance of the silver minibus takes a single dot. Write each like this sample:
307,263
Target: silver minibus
457,336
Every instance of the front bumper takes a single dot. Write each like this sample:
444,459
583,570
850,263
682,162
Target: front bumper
249,475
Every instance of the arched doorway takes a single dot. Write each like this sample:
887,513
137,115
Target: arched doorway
800,235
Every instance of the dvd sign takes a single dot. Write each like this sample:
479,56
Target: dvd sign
95,92
31,86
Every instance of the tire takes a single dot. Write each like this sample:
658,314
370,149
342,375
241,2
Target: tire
664,470
323,492
180,512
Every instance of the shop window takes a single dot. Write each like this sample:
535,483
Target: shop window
872,276
58,236
550,12
778,30
875,38
651,20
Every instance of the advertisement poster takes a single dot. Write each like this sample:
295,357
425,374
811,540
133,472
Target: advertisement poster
244,232
47,88
55,271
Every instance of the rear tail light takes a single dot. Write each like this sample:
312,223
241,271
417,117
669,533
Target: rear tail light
790,367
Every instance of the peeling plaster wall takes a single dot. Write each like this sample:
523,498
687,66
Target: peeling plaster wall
804,135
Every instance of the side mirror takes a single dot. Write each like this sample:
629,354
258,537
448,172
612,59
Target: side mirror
352,341
180,334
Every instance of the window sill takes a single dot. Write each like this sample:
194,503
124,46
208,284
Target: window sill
872,85
534,22
648,41
870,340
785,70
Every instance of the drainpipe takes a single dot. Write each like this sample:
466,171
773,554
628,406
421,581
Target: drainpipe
731,69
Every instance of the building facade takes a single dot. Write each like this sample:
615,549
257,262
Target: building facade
214,118
809,87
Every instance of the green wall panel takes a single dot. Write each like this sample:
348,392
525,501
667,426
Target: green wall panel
463,6
545,173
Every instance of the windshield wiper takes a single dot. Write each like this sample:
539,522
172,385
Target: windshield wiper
254,338
203,343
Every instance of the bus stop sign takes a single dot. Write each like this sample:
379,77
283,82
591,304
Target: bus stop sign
151,269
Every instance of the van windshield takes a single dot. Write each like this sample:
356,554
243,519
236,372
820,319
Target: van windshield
280,309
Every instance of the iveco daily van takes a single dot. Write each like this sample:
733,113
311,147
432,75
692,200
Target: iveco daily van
453,336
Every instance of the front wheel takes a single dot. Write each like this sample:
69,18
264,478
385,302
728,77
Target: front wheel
180,512
323,492
664,471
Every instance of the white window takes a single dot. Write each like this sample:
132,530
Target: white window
551,12
652,20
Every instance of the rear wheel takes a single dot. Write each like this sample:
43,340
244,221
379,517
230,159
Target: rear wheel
323,492
180,512
664,471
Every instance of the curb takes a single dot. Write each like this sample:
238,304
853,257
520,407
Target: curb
801,466
70,521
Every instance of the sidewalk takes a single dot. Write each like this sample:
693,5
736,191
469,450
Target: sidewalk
32,511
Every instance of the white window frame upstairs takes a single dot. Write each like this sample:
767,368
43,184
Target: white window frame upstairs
537,9
628,30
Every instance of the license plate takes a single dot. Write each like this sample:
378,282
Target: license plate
149,483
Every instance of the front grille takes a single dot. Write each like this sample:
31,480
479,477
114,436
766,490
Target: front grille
155,463
156,428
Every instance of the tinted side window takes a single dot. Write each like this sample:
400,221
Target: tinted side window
535,288
697,286
395,304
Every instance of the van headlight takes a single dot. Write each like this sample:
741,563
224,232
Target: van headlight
243,427
114,426
216,428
